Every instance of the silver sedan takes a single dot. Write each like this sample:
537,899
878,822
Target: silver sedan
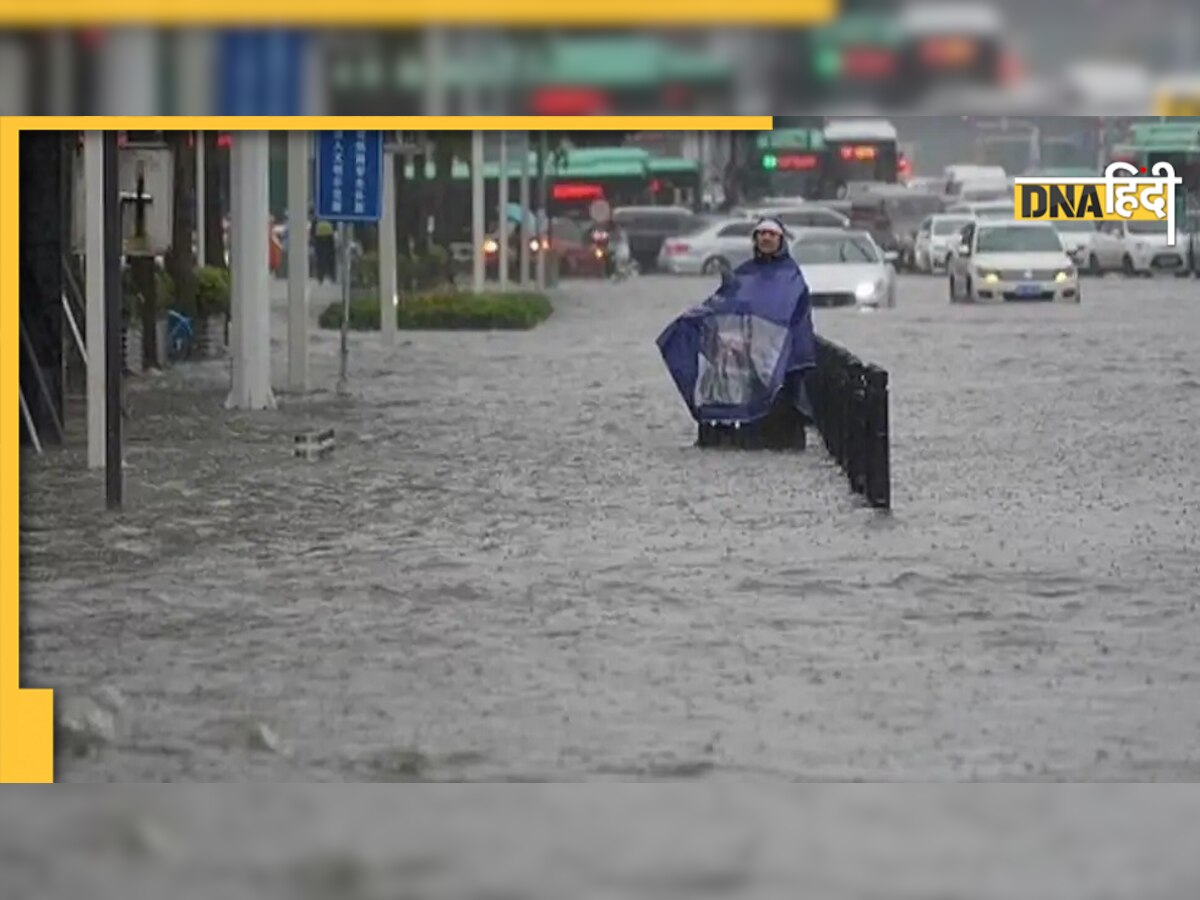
716,245
845,268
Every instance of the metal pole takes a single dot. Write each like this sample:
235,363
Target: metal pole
30,428
112,325
502,205
387,254
201,256
93,320
39,376
526,237
344,236
297,238
543,222
477,211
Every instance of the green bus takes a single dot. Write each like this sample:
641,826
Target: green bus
530,73
786,162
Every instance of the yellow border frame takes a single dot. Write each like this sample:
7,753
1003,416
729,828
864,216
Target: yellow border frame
26,715
527,13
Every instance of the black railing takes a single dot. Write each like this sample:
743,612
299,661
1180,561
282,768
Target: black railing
850,409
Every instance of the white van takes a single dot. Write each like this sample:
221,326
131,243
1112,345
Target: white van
973,182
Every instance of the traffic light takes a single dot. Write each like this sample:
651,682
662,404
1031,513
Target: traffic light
770,162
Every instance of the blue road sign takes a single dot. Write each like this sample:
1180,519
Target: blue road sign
261,72
349,176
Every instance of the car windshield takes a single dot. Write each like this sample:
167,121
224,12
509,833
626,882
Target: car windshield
1146,227
949,226
1018,240
1075,225
817,251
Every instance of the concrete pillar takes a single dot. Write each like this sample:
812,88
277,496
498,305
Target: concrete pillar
250,328
298,241
93,235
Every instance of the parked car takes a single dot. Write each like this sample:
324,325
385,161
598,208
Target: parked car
845,268
1137,248
1012,261
936,239
708,248
648,226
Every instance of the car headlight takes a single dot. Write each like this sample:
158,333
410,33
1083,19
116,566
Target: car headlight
490,246
1064,275
867,290
991,277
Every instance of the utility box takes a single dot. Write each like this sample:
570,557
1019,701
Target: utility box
146,176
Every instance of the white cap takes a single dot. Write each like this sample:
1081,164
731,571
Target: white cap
770,225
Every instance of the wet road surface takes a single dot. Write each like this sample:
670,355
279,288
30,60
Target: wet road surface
517,567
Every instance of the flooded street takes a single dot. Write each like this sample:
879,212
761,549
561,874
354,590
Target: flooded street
517,567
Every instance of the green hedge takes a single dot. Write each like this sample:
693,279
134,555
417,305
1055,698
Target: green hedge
448,311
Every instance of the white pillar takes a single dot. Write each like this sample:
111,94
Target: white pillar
250,328
193,63
526,237
477,211
387,254
502,204
297,238
434,45
129,79
93,231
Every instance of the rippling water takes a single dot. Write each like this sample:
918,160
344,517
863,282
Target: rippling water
517,567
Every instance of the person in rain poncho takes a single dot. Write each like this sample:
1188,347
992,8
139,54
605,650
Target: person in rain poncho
751,342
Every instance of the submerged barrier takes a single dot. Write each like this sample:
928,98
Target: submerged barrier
849,401
850,409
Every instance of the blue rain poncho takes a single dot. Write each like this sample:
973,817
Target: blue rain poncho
732,356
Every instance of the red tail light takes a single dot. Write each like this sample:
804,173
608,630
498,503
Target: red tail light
674,248
1012,70
868,62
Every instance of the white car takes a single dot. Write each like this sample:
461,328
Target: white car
845,268
1012,261
1137,248
985,209
708,249
936,240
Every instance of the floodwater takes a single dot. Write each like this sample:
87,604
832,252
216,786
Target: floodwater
517,567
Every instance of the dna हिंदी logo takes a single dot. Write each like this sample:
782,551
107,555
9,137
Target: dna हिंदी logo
1123,192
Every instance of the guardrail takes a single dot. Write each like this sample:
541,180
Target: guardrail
850,408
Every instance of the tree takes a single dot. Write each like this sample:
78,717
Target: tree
216,175
181,260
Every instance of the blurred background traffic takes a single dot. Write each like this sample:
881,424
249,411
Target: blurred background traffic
1003,57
